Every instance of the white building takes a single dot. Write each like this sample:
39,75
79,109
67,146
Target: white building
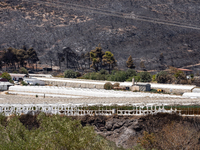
17,77
5,85
33,81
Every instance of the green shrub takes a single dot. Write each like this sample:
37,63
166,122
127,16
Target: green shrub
86,76
24,83
78,74
54,133
23,70
7,76
154,77
145,77
103,71
129,79
95,76
130,73
108,86
137,78
119,76
163,77
70,74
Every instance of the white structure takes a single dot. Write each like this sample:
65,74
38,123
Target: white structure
5,85
17,77
83,92
33,81
81,109
41,75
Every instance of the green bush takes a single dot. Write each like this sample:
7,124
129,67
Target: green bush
129,79
23,70
103,71
86,76
54,133
70,74
24,83
180,75
154,77
136,78
78,74
108,86
7,76
163,77
130,73
102,75
119,76
145,77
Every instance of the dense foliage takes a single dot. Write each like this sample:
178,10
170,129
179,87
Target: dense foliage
129,63
119,76
70,74
108,86
12,57
163,77
23,70
145,77
7,76
51,132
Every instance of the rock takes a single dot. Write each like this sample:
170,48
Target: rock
118,125
109,125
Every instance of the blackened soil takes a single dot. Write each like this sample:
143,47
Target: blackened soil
29,121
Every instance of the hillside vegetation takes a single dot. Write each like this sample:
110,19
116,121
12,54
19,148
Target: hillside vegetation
142,29
54,132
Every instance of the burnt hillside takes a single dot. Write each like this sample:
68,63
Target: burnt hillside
143,29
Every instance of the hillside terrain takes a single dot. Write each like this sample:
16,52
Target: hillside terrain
143,29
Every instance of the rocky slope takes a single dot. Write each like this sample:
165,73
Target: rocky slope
143,29
163,131
167,128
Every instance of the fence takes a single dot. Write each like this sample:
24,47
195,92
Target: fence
94,109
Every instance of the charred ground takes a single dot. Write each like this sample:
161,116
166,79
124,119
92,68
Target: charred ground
53,25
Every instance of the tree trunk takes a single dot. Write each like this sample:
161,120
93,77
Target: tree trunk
51,65
67,59
89,63
60,65
109,68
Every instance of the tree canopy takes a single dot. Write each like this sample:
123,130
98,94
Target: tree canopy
11,57
96,56
129,63
108,59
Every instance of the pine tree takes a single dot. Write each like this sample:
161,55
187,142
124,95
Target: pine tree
32,57
108,59
96,56
129,63
142,65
